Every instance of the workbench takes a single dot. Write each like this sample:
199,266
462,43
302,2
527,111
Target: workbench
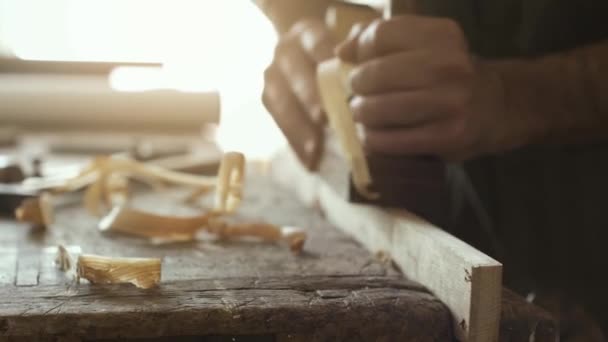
226,290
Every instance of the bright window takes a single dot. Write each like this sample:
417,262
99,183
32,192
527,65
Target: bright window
202,45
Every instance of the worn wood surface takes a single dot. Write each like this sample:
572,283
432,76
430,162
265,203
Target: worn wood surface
334,290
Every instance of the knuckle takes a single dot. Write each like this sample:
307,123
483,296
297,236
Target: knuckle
264,99
379,31
269,74
450,32
286,43
380,28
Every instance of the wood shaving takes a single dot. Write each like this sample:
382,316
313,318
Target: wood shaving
37,211
144,273
228,186
331,77
157,228
164,229
106,180
292,236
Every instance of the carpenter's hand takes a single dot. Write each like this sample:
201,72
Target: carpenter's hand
290,91
418,91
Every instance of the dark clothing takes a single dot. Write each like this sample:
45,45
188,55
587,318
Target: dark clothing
548,204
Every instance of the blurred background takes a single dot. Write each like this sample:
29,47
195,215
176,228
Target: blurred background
125,67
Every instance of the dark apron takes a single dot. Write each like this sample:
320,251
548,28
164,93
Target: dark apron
547,205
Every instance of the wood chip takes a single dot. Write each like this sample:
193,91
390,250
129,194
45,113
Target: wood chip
37,210
144,273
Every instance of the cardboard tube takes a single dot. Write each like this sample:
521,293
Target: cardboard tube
52,101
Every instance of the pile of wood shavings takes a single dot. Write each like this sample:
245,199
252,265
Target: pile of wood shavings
106,183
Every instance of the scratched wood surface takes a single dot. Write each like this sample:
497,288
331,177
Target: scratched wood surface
334,290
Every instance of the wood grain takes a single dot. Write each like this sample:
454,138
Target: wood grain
391,307
335,290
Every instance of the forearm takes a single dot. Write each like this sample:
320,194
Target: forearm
560,98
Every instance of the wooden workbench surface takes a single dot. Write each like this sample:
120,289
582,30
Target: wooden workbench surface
334,290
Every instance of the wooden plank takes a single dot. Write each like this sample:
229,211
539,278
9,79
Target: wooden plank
466,280
390,308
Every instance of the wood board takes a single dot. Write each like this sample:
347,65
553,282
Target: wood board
466,280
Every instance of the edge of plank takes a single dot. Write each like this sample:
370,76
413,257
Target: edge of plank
465,279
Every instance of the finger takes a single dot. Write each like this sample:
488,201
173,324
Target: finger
388,111
315,39
384,37
366,42
409,71
442,139
300,72
408,108
303,135
347,50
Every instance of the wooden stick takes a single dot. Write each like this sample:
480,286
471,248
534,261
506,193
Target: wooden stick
332,76
466,280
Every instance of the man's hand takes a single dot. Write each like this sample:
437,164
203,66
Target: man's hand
418,91
290,92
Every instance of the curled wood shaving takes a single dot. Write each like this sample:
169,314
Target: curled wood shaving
230,179
38,210
229,184
111,172
292,236
107,191
107,181
142,272
157,228
163,229
331,77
